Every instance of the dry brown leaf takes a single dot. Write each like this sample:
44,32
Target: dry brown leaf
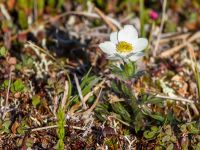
14,127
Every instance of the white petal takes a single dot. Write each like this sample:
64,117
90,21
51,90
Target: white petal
122,55
128,34
136,56
113,37
113,57
140,44
108,47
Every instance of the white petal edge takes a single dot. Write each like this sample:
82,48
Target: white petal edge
113,57
140,44
136,56
108,47
113,37
128,34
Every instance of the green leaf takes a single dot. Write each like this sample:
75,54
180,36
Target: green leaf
138,120
129,69
41,4
4,85
115,87
154,100
103,107
87,88
5,127
36,100
86,78
119,109
3,52
158,117
192,129
183,128
60,3
166,138
27,61
154,128
149,134
193,17
61,128
101,111
17,86
138,74
170,147
22,19
117,71
29,142
51,3
88,82
125,89
22,128
197,146
23,4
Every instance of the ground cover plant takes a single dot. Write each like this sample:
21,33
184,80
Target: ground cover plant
99,74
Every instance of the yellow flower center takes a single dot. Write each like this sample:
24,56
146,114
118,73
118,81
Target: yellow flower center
124,47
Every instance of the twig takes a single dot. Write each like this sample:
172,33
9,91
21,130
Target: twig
125,123
191,52
161,27
64,99
94,104
142,18
6,110
32,45
5,12
86,97
53,19
35,47
55,126
8,90
174,50
105,19
80,92
195,72
174,36
55,104
175,98
85,14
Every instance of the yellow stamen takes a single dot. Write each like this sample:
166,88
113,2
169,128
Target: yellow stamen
124,47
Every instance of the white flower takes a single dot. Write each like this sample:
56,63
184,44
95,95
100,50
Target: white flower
124,44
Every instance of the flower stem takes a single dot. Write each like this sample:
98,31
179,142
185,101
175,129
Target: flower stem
142,31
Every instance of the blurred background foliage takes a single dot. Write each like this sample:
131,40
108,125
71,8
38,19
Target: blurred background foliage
26,12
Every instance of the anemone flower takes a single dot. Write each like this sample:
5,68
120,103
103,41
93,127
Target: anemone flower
125,45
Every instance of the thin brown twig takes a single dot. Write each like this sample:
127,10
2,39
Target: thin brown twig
80,92
53,19
8,90
32,45
191,52
55,126
175,98
125,123
174,50
94,104
64,99
85,14
175,36
161,27
55,104
193,59
86,97
105,19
